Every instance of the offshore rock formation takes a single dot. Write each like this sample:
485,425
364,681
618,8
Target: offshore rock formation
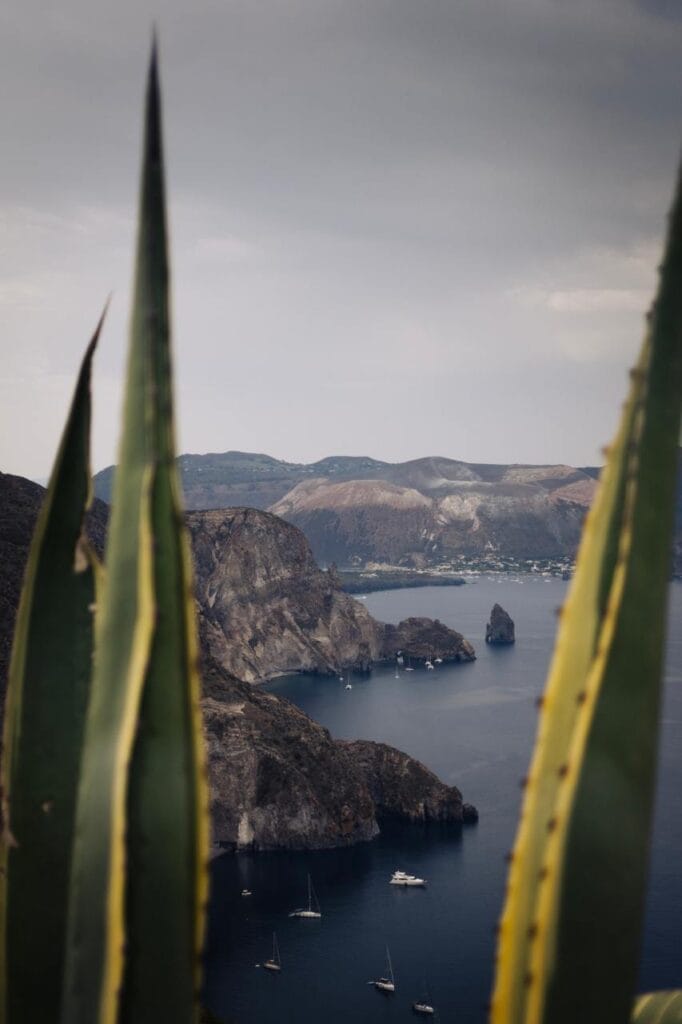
500,629
423,639
278,779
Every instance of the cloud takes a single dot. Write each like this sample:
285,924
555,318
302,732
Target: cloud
451,207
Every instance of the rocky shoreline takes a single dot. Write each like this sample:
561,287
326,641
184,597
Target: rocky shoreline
278,779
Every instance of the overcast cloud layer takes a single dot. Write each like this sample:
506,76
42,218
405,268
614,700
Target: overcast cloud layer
399,228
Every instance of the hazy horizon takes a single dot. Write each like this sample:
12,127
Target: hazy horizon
395,228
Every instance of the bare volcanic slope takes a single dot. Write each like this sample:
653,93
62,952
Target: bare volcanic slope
418,513
435,510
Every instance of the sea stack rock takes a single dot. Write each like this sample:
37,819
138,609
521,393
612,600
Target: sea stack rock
500,629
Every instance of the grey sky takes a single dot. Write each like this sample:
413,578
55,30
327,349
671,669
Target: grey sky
399,227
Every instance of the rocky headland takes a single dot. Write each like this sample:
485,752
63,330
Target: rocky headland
278,779
422,639
268,609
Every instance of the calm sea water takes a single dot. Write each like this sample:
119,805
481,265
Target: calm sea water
474,725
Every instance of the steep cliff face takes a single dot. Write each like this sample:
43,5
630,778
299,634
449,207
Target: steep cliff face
402,788
278,779
267,608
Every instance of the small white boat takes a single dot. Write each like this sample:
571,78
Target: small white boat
402,878
349,685
429,665
387,982
423,1007
275,963
438,661
312,902
246,892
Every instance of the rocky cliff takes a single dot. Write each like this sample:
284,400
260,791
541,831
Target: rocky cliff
278,779
266,606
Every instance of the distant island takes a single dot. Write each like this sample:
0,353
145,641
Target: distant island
432,513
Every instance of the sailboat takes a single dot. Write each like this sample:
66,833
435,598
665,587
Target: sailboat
349,685
275,963
309,912
387,982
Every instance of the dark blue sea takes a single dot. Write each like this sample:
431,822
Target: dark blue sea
474,725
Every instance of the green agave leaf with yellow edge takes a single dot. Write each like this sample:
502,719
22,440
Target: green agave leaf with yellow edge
569,933
658,1008
47,695
139,882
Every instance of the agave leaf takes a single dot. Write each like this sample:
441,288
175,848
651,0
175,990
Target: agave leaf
49,683
570,930
658,1008
140,877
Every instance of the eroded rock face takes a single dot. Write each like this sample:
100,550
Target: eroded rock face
425,639
500,629
402,788
266,607
278,779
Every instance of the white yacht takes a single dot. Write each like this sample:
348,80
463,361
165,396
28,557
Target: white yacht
246,892
275,963
313,902
429,665
387,982
423,1007
402,878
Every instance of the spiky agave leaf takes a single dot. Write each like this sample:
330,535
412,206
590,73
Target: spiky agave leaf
48,688
570,929
140,877
658,1008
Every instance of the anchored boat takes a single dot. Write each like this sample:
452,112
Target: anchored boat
402,878
313,908
275,963
387,982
